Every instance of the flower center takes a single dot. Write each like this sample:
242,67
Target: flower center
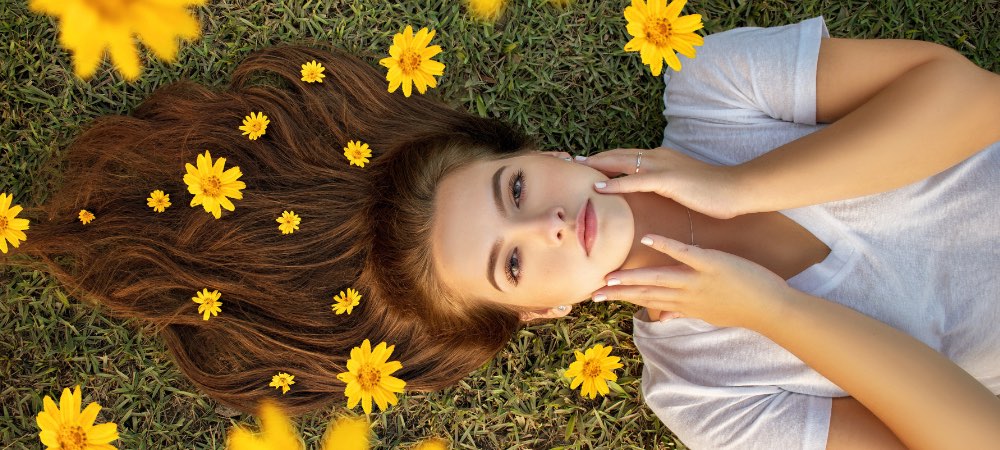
256,126
72,438
3,223
409,61
369,377
658,31
211,186
110,9
591,369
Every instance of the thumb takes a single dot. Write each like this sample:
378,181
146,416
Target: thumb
690,255
630,183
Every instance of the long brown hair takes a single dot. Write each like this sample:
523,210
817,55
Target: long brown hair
365,228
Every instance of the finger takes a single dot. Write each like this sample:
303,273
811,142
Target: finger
692,256
560,155
617,161
630,183
676,276
647,296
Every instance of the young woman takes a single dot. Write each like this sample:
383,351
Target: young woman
457,232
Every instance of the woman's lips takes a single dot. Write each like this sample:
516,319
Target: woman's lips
586,226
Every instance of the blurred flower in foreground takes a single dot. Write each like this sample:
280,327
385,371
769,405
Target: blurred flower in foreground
86,216
368,377
255,126
11,228
158,201
486,9
312,72
211,186
432,444
91,26
593,369
282,381
410,62
64,427
658,31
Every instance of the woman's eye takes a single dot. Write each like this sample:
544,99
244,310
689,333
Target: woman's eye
517,187
514,267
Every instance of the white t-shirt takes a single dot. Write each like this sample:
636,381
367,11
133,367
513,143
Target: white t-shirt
924,258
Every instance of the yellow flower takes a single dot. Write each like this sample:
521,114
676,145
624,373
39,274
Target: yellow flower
208,303
346,302
158,201
91,26
410,61
432,444
368,377
283,381
255,126
593,369
486,9
312,72
11,228
658,31
211,186
64,427
346,433
86,216
357,153
277,432
289,222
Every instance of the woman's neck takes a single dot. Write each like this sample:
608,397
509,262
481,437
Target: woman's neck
764,238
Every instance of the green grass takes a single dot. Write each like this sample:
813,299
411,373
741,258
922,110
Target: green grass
561,74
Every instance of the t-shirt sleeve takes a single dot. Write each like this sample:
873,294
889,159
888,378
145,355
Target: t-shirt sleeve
749,75
737,417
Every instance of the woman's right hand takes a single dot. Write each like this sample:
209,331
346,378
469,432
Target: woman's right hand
708,189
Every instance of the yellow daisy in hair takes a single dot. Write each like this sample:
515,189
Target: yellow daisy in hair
486,9
658,30
593,369
86,216
11,227
357,153
289,222
208,303
255,126
91,26
346,302
65,427
368,377
410,62
282,381
158,201
211,186
312,72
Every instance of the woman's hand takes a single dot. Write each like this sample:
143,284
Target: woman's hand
717,287
709,189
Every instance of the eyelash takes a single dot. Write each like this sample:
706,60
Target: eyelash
516,188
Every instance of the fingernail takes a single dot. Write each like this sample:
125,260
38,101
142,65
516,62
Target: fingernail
567,158
580,158
600,297
600,185
614,282
646,240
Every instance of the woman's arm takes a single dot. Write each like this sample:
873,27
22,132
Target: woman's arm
921,396
902,111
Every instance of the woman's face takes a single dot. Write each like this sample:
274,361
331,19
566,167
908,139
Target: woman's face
517,231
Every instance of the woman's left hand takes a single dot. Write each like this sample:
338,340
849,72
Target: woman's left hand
717,287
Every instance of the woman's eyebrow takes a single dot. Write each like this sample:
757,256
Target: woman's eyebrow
491,267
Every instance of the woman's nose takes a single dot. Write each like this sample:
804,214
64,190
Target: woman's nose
550,225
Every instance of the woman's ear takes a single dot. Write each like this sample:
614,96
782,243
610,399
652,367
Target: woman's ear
549,313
